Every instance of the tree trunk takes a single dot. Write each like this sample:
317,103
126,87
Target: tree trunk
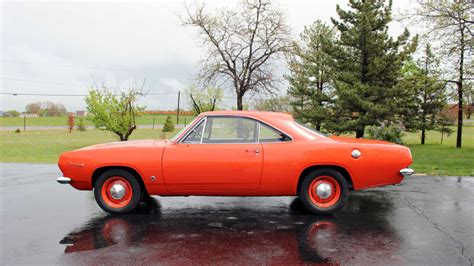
460,118
423,136
360,132
460,91
240,105
318,126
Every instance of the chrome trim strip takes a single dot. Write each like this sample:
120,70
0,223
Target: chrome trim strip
407,171
63,180
258,131
203,129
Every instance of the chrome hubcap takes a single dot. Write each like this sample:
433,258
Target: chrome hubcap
117,191
324,190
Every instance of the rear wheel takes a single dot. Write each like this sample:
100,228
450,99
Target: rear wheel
117,191
324,191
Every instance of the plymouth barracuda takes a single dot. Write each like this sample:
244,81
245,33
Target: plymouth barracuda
236,153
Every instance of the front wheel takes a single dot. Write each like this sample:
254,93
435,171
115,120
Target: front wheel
117,191
324,191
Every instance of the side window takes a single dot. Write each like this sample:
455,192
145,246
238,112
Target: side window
195,135
230,130
268,134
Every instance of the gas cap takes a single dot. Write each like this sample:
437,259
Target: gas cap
356,153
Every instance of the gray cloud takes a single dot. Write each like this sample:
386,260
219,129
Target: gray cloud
63,47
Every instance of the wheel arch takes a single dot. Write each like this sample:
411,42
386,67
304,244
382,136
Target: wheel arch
99,171
345,173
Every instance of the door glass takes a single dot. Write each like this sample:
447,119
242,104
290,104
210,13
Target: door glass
195,135
268,134
230,130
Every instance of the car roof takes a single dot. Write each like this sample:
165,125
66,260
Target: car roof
263,115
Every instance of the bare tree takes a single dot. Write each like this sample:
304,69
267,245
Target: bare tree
241,44
450,23
203,100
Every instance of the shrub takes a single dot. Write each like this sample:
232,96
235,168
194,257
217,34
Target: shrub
70,122
168,126
391,132
80,125
13,113
17,130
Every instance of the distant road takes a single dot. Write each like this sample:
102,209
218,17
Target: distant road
67,128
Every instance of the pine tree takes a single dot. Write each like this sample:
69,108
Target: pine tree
367,67
168,126
310,78
423,80
431,94
450,24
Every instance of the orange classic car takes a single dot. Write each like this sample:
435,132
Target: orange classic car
236,153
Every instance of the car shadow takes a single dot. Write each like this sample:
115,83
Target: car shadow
241,235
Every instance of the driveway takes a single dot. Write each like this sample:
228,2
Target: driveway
425,220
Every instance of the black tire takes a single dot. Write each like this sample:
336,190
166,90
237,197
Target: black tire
306,199
132,180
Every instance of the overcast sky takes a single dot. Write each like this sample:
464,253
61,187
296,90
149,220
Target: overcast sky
64,47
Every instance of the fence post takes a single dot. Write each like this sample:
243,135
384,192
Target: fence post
177,111
153,127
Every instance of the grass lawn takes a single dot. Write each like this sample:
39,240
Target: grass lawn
435,159
62,120
45,146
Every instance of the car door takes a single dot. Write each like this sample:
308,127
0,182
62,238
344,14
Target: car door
221,153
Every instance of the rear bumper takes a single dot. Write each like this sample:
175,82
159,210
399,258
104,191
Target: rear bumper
63,180
407,171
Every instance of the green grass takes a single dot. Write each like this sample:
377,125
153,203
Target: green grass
44,146
62,120
443,159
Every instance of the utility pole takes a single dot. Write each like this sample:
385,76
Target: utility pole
177,111
24,123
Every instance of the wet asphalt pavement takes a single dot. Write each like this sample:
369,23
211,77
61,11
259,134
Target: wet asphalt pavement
425,220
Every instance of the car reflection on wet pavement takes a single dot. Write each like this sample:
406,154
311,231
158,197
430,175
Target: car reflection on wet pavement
236,234
426,220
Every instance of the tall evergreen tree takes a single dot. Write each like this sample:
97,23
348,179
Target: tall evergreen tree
451,24
310,78
367,66
429,93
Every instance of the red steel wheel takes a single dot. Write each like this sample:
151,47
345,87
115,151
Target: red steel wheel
323,191
117,191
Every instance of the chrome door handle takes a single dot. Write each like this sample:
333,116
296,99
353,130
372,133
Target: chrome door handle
257,151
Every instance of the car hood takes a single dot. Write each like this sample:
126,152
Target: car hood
360,141
128,144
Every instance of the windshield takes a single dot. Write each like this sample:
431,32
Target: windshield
172,139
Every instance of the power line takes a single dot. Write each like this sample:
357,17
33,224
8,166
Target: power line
73,95
63,66
43,81
41,94
87,67
84,95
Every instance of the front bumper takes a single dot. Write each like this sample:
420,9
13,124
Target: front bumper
63,180
407,171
